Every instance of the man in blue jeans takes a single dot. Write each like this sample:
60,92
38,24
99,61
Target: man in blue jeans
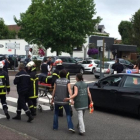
62,89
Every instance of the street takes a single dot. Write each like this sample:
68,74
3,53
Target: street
101,124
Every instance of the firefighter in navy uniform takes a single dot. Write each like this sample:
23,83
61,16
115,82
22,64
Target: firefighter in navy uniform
22,80
55,76
4,86
33,92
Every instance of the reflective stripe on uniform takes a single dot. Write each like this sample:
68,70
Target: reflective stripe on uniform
60,107
8,86
2,86
33,69
31,106
67,76
32,97
47,78
2,93
34,80
55,74
2,76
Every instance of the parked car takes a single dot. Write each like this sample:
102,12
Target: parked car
22,60
106,69
88,58
69,63
90,65
126,63
118,91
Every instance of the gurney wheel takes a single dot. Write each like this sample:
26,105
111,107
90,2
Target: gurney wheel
40,108
51,107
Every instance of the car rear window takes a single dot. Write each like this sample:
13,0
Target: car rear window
132,82
86,62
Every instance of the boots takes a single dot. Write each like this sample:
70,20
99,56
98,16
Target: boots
6,112
28,113
33,111
18,116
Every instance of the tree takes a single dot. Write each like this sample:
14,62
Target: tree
136,28
59,24
4,32
126,31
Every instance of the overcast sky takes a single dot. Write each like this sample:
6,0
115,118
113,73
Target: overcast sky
112,12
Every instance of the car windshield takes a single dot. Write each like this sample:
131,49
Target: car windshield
106,65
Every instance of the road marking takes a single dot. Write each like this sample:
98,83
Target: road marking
2,116
43,100
12,109
12,99
44,107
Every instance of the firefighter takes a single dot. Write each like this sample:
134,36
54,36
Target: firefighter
22,80
55,76
4,87
33,92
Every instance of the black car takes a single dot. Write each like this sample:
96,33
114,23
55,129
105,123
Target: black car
70,64
118,91
126,63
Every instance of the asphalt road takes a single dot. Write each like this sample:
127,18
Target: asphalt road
101,124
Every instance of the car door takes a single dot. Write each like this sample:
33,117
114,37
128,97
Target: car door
66,63
110,88
74,67
129,94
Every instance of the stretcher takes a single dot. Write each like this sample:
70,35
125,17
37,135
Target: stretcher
45,90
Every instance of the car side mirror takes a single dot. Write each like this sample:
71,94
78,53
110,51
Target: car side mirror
98,84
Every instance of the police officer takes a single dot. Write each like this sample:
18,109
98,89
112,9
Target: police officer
33,91
22,80
117,66
4,86
55,76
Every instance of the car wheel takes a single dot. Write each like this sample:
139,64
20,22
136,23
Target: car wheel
97,77
82,71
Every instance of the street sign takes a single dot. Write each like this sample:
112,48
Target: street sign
12,46
99,43
101,49
27,47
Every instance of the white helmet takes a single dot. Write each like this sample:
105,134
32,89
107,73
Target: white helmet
58,62
1,64
30,64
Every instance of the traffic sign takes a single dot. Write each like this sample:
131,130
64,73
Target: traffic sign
27,47
12,46
99,43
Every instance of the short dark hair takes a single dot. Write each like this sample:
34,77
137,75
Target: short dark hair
79,76
45,59
21,66
63,73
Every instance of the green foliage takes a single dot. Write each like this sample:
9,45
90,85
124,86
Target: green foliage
136,27
125,30
59,24
4,32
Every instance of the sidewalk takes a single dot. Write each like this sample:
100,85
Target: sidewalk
10,134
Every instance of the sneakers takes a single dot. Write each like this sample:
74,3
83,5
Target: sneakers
72,130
